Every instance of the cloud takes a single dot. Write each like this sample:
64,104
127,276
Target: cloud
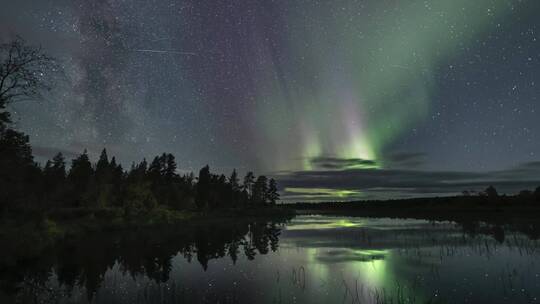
405,159
356,184
396,160
328,162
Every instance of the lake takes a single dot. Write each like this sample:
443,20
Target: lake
309,259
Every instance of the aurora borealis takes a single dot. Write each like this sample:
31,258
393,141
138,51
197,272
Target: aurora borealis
337,99
369,79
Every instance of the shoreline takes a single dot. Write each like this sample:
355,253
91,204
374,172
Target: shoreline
25,237
456,208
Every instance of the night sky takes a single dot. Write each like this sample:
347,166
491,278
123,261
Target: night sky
336,99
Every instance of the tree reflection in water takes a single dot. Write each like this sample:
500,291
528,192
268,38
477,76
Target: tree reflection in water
320,259
77,263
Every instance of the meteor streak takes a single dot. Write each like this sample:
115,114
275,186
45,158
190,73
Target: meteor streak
165,52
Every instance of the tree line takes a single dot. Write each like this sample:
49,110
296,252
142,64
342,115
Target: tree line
491,193
25,74
140,189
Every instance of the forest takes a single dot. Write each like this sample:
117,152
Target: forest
70,188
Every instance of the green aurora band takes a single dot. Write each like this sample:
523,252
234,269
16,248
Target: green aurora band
358,74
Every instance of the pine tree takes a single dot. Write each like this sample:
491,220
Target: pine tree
170,168
81,168
260,189
272,193
491,192
203,187
54,172
80,175
116,172
103,161
59,166
249,179
234,181
138,172
103,170
154,171
163,164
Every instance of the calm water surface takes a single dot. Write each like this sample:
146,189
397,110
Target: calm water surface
311,259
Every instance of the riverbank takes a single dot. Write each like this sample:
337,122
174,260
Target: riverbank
459,208
26,236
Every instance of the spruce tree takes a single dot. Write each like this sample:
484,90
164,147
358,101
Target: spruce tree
272,193
249,179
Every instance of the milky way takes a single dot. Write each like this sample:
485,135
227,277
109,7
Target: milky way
360,89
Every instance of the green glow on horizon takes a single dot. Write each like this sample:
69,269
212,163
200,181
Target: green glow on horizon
319,192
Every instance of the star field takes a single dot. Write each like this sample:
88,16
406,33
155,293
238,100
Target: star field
292,88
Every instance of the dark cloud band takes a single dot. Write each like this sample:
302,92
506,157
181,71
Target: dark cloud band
391,183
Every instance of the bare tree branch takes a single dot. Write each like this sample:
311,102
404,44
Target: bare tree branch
25,72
